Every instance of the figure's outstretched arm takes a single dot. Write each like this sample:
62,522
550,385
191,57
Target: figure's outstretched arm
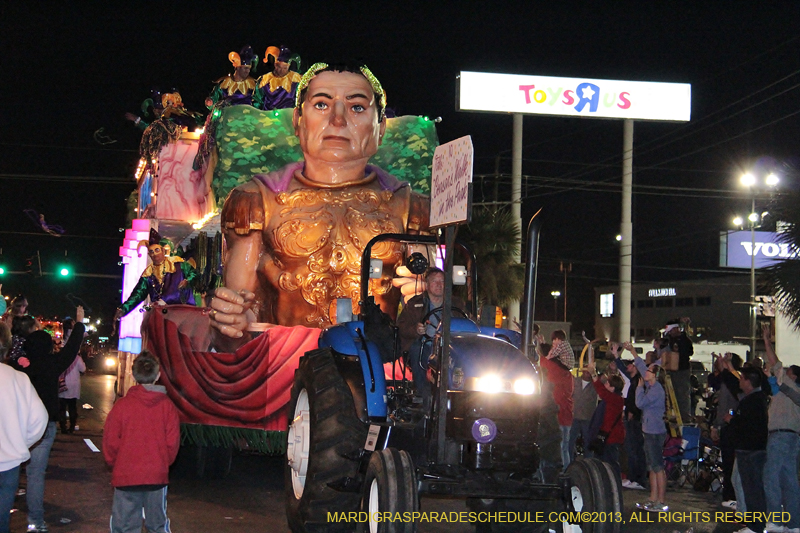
232,305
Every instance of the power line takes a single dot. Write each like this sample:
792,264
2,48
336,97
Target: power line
73,179
63,236
61,147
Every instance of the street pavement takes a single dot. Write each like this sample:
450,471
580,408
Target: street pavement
251,500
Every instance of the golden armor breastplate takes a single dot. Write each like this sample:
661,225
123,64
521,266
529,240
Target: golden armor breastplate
316,237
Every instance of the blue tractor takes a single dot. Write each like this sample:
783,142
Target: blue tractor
359,442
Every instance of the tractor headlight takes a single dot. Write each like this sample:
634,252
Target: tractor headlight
489,383
524,386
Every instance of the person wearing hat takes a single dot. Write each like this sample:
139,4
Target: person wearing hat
680,343
277,89
294,237
166,281
236,88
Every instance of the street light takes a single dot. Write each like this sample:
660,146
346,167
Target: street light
750,181
555,295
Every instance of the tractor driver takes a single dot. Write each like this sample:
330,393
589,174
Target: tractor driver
414,333
295,236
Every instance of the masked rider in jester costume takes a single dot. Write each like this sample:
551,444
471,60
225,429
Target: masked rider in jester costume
236,88
165,281
277,89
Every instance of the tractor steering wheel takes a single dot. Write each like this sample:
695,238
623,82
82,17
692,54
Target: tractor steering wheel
438,312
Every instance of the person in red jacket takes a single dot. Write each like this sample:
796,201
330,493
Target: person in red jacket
140,440
563,386
610,391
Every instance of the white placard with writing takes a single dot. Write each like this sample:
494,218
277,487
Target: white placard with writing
451,198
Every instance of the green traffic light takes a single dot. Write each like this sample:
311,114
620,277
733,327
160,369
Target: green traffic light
2,271
64,271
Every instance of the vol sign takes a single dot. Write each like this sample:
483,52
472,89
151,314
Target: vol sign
451,183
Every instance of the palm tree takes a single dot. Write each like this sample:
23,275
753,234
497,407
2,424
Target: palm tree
493,236
783,279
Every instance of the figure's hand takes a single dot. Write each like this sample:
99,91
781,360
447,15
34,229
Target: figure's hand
592,368
421,329
79,314
585,338
131,117
613,347
183,284
230,311
409,284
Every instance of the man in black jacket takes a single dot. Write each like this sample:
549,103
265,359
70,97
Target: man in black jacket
679,342
747,431
43,371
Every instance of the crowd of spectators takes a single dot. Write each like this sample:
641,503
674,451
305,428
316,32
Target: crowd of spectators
754,418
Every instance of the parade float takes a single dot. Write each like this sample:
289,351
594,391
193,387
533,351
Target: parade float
238,398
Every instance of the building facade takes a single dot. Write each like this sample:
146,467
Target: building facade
718,308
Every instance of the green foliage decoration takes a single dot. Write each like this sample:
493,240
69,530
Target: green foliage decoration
250,141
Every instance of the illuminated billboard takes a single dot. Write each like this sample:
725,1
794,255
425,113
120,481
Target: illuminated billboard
737,247
574,97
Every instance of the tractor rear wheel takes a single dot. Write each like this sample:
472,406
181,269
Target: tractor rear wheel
325,439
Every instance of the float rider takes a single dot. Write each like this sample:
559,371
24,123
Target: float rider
166,281
278,88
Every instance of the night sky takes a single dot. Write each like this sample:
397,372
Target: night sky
70,69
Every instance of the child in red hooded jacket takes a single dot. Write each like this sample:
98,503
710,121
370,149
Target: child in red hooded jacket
140,440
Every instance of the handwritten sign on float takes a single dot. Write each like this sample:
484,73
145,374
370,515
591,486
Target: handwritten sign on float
451,183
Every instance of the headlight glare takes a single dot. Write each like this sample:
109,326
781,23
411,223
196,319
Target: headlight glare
489,384
524,386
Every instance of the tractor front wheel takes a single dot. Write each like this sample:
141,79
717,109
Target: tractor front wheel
325,439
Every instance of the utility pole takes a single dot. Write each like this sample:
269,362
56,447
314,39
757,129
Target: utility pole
565,269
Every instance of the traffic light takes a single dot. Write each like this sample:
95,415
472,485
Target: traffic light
64,271
33,265
2,269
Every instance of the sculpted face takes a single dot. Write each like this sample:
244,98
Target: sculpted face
339,123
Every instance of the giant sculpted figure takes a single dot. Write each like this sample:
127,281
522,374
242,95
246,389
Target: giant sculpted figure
294,237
